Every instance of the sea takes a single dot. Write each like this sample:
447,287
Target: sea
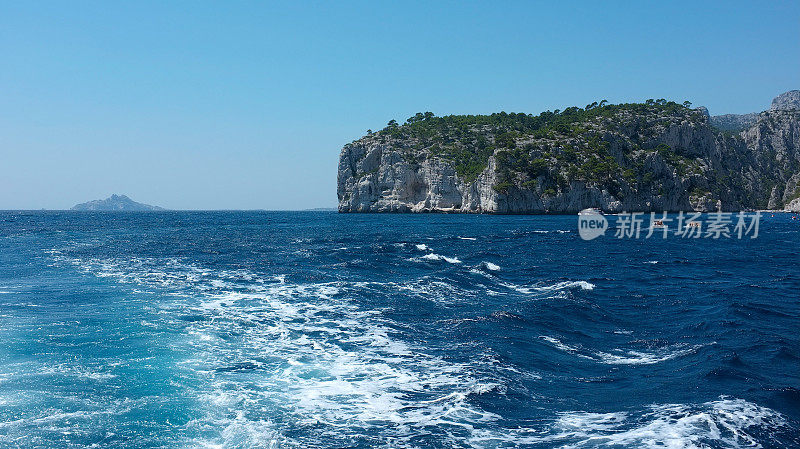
325,330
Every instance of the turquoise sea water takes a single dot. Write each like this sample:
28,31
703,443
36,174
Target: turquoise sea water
317,330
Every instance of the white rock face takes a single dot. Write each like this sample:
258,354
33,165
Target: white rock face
374,177
794,205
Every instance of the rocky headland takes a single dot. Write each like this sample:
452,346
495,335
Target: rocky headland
653,156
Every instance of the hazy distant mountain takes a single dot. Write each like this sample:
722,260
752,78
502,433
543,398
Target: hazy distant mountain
117,203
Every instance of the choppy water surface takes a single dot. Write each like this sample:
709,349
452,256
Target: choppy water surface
247,329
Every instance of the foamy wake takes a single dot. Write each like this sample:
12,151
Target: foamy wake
327,365
281,364
305,353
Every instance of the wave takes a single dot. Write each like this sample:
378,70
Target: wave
732,423
583,285
434,256
625,357
491,266
559,286
729,423
631,357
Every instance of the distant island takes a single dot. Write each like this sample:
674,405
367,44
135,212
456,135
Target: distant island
116,203
654,156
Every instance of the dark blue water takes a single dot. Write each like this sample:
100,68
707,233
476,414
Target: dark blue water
247,329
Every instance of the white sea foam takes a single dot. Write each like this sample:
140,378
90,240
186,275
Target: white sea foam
491,266
625,357
467,238
726,422
583,285
630,357
435,290
559,286
434,256
558,344
422,247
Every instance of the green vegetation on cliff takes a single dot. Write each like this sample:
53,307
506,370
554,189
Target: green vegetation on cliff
552,149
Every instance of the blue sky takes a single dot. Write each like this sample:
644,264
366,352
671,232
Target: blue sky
246,105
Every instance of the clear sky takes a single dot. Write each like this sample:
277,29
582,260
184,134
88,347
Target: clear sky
246,105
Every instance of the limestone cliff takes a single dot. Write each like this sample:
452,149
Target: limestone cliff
637,157
786,101
734,122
